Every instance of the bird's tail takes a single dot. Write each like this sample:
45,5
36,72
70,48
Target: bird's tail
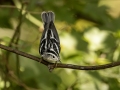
47,17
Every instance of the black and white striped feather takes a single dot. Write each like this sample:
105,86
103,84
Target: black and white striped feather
49,43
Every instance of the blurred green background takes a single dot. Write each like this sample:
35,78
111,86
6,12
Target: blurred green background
89,32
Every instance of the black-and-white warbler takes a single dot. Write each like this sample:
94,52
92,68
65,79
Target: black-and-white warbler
49,43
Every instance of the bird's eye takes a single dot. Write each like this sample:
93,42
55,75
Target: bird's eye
53,57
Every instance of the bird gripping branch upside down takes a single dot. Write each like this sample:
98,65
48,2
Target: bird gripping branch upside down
50,43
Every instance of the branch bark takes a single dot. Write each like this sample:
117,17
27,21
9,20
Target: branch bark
60,65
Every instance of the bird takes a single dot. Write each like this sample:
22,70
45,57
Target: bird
49,47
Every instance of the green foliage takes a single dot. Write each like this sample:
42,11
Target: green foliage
89,32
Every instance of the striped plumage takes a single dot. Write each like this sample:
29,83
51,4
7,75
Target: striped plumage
50,43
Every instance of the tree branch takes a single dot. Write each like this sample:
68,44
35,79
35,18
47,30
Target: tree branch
59,65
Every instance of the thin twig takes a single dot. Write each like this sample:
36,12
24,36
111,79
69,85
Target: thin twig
15,40
17,37
59,65
14,7
16,80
